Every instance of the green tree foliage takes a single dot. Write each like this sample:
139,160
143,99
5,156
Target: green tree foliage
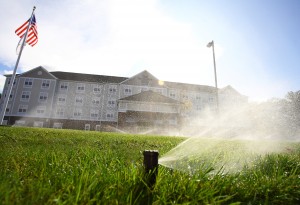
292,110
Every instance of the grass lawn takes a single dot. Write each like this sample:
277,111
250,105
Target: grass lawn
47,166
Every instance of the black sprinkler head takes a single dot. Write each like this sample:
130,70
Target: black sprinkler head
151,166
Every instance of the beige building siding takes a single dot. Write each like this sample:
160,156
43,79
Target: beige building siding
95,101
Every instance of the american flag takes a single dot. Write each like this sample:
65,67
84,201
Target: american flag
32,36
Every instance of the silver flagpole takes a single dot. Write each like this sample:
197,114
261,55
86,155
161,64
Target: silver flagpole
6,98
212,44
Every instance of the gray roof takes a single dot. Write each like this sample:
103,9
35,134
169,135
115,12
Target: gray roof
150,96
190,87
87,77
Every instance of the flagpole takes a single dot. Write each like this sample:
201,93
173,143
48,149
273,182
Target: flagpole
212,44
6,98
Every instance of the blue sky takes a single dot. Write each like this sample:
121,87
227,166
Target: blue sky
256,41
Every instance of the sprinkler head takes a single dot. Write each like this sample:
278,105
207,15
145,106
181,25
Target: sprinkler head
151,166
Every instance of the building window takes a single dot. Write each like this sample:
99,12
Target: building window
43,97
38,124
61,99
94,114
96,101
7,108
8,81
158,90
64,86
22,108
185,97
77,112
211,99
25,96
172,94
20,123
112,89
10,96
28,82
40,110
87,127
60,111
127,91
198,97
80,87
57,125
111,103
96,89
46,84
78,100
109,116
98,127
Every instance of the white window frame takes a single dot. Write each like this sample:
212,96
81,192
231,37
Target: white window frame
61,99
127,91
96,101
28,82
19,123
172,94
11,95
97,89
60,111
80,88
40,110
111,103
45,84
43,97
112,89
8,108
24,95
94,114
87,127
98,127
57,125
79,100
64,86
77,112
38,124
185,96
22,109
9,79
158,90
109,116
198,97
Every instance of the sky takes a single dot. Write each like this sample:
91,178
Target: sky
256,41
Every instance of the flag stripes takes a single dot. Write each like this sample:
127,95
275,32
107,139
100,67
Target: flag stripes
32,36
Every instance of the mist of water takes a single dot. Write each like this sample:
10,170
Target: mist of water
229,141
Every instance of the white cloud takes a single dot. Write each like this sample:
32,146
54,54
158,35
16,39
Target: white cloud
113,38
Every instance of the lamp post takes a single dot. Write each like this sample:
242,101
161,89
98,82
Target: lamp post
212,44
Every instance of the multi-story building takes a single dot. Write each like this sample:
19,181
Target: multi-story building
95,102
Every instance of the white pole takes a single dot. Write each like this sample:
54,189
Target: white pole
216,80
6,98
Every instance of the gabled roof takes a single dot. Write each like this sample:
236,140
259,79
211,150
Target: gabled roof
38,72
228,90
190,87
87,77
150,96
143,78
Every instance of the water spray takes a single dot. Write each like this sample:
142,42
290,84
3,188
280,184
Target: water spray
151,166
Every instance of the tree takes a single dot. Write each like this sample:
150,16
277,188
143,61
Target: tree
292,109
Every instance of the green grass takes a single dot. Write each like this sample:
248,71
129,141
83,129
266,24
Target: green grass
45,166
